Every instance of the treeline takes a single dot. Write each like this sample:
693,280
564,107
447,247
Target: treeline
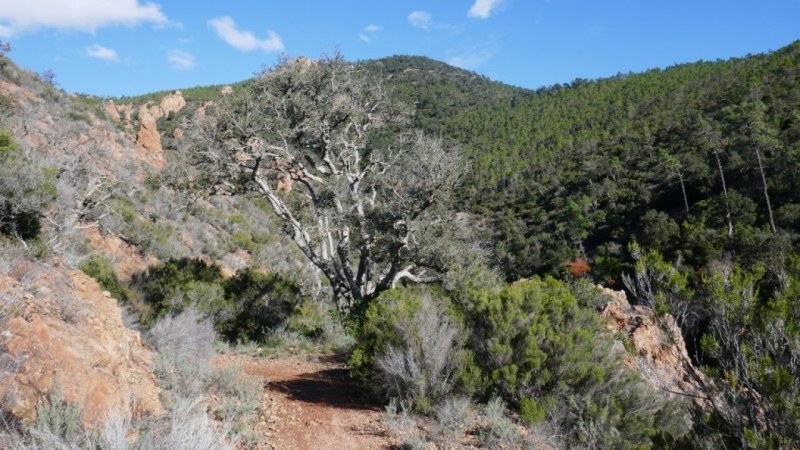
682,160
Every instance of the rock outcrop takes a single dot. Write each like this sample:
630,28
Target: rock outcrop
660,352
171,103
110,108
148,138
66,334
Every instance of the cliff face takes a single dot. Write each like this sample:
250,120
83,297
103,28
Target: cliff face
148,138
64,334
659,349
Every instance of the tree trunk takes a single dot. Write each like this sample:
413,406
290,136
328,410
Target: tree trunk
725,194
766,192
683,190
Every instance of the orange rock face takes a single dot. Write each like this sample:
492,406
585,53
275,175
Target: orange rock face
69,336
172,103
661,354
111,111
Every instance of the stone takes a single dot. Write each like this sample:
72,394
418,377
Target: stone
172,103
94,360
148,137
660,349
111,111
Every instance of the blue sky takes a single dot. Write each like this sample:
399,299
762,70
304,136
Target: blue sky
129,47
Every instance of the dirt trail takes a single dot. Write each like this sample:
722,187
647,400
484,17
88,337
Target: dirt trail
313,405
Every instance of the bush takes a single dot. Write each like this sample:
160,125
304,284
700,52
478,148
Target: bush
246,307
100,268
498,431
402,424
750,350
186,345
170,287
27,188
545,353
453,416
411,342
188,428
239,394
534,340
57,418
187,337
254,304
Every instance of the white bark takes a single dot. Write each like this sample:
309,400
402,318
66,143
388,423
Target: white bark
352,205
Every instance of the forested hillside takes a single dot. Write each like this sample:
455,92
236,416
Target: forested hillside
679,184
666,157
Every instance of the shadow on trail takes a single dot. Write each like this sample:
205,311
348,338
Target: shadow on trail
331,387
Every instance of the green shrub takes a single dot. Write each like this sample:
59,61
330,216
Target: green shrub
7,144
751,346
26,190
533,339
242,240
246,307
530,411
411,345
254,304
545,353
176,284
100,268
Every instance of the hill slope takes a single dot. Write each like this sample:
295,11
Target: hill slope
581,169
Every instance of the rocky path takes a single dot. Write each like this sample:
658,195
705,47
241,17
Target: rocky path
312,405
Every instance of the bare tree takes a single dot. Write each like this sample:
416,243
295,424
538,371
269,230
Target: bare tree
322,143
49,77
713,140
673,164
762,136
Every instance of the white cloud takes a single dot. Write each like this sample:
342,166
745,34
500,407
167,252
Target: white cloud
369,33
180,60
482,9
18,16
245,40
420,19
100,52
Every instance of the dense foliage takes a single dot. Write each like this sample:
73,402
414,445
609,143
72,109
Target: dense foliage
683,180
667,157
534,343
245,307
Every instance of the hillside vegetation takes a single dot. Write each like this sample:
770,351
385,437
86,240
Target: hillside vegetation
581,169
446,235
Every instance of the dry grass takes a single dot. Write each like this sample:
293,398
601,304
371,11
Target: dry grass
421,371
